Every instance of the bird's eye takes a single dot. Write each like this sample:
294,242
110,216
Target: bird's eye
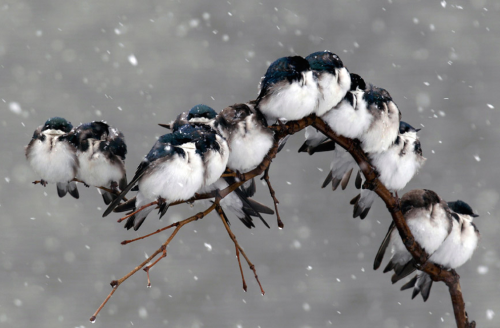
380,105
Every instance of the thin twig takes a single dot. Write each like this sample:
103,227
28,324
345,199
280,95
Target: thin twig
238,247
265,177
147,268
178,225
224,221
137,211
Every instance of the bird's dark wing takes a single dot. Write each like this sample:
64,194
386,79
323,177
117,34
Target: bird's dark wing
383,247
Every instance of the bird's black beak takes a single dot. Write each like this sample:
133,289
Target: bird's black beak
165,125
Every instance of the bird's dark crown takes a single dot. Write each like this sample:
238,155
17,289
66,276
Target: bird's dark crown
202,136
405,127
57,123
357,82
285,68
461,207
116,146
95,129
202,111
324,61
166,146
375,95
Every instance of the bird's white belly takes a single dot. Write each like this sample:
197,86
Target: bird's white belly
53,164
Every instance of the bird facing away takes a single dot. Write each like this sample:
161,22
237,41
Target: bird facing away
101,152
53,157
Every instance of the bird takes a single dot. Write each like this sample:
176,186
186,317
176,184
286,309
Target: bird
395,167
101,152
198,115
288,90
341,168
455,250
332,77
430,221
369,115
178,165
53,157
239,126
317,141
247,135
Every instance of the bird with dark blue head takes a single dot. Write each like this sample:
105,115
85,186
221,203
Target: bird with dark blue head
179,165
332,77
248,139
288,90
198,115
53,157
444,230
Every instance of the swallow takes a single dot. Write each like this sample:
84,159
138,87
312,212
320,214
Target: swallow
53,157
455,250
318,142
178,165
101,152
431,223
332,77
288,90
396,167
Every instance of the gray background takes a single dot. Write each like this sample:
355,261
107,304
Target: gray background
439,61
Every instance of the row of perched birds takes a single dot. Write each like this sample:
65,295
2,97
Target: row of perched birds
203,143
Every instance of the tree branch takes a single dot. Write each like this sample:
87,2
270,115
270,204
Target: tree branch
450,278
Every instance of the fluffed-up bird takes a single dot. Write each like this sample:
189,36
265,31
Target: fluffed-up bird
317,141
248,140
101,152
53,157
396,167
178,165
288,90
332,77
457,248
369,115
430,221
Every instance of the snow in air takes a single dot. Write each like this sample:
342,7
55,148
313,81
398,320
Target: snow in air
132,60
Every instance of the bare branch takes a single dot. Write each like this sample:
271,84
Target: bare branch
450,278
265,177
178,225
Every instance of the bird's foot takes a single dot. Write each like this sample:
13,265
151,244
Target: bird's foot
161,201
114,186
